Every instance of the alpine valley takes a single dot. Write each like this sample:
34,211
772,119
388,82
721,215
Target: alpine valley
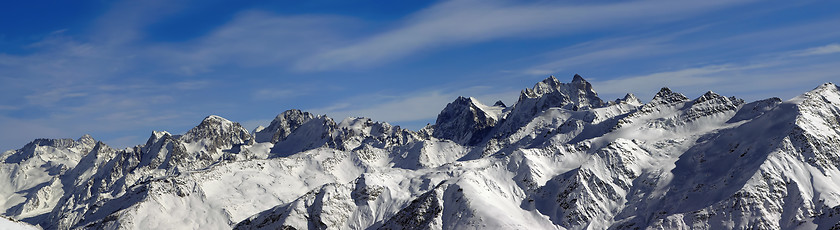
559,158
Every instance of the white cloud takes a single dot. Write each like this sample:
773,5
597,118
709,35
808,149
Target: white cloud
599,57
645,86
751,80
466,21
252,39
271,94
822,50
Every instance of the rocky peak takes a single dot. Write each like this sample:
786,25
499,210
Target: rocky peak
56,143
217,132
629,99
576,95
464,121
666,96
499,103
156,137
545,86
283,125
577,79
819,107
708,96
711,104
582,84
157,149
819,93
828,86
551,81
35,148
86,139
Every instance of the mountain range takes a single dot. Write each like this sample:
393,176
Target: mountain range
559,158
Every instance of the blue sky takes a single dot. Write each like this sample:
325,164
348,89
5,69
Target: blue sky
120,69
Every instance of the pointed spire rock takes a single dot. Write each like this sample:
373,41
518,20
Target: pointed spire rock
578,78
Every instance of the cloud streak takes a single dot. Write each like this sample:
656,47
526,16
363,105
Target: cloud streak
468,21
822,50
112,79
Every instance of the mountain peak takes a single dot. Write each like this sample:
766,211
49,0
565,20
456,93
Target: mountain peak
827,87
577,78
499,103
708,96
551,80
85,137
463,100
159,134
283,125
465,121
218,132
826,92
215,119
578,94
665,95
629,98
664,91
86,140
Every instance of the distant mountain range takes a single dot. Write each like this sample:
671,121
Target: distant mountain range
559,158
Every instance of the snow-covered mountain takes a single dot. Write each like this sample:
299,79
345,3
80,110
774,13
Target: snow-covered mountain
559,158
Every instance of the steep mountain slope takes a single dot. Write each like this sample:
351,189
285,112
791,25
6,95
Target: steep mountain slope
466,121
559,158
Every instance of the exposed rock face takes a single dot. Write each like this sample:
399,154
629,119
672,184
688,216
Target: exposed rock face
549,93
560,158
283,125
629,99
466,121
215,132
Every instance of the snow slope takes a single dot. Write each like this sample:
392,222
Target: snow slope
559,158
10,224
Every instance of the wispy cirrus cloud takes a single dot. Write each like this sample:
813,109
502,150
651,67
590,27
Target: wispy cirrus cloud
253,39
111,79
822,50
763,76
469,21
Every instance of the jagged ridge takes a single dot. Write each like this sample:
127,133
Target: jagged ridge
560,157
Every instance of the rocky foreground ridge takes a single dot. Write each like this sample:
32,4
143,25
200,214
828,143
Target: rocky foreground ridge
559,158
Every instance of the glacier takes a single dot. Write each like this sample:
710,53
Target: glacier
559,158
